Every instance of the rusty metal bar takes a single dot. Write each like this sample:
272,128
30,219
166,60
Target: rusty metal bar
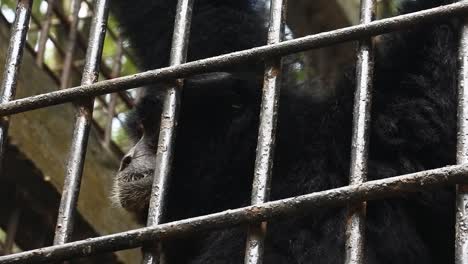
266,135
71,45
44,36
355,224
83,121
168,126
461,226
371,190
320,40
12,66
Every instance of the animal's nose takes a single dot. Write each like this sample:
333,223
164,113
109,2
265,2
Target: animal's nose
127,159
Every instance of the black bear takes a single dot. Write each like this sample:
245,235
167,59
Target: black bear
413,128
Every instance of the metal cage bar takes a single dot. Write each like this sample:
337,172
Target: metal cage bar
355,224
266,135
370,190
12,229
44,35
168,126
315,41
83,121
71,45
13,63
461,229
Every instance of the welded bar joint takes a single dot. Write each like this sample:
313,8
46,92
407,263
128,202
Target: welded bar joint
168,126
266,135
355,224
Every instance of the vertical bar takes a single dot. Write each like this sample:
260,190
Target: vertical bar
461,230
44,36
84,115
267,134
169,117
71,44
110,117
355,224
12,228
113,102
12,65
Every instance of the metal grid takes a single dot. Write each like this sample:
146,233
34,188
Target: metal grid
357,193
57,40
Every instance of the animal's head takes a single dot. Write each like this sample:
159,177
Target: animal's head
218,111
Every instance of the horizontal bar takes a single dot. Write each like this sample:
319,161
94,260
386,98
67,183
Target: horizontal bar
370,190
212,64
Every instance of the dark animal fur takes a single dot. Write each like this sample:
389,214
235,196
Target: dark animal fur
413,129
